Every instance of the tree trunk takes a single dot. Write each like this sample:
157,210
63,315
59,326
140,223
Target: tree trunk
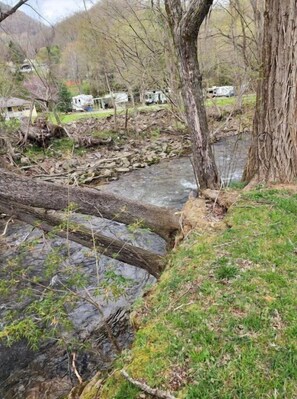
184,21
273,154
25,191
203,159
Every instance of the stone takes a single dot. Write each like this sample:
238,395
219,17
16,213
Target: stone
123,170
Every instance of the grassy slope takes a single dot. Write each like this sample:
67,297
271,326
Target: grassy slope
222,322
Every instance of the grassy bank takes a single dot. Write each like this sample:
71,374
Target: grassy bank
222,322
67,118
219,102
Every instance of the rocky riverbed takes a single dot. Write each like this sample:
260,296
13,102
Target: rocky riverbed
131,143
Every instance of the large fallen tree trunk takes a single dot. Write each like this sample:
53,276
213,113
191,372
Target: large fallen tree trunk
22,190
109,246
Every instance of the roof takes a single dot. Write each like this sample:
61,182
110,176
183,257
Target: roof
12,102
84,96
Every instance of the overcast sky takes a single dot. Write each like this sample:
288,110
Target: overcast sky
52,10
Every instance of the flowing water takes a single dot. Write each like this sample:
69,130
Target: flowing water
25,373
170,182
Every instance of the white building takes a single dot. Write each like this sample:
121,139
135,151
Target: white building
16,108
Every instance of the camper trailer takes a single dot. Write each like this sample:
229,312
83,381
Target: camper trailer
82,102
109,100
155,97
224,91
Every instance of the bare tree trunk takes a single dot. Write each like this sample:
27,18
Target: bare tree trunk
185,24
273,154
203,159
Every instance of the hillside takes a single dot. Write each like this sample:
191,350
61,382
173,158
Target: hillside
31,34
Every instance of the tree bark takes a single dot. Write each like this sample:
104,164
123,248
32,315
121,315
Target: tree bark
108,246
273,153
25,191
203,159
185,25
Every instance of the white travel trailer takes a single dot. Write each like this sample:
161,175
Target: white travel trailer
224,91
109,100
155,97
82,102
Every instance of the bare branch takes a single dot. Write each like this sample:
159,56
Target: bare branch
145,388
4,15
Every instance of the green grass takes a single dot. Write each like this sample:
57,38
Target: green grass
58,148
67,118
222,321
220,102
249,99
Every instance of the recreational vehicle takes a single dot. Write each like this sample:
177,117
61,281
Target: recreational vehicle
155,97
82,102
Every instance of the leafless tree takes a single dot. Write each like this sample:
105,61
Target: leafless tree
185,21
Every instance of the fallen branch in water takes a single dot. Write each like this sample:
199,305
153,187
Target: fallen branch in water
145,388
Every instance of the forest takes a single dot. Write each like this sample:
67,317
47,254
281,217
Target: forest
148,199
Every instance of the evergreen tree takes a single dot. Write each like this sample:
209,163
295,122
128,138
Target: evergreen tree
64,101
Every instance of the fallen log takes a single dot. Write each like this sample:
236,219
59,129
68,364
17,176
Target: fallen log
108,246
40,133
39,194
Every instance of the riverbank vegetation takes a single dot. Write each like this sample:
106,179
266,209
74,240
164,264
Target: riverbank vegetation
222,321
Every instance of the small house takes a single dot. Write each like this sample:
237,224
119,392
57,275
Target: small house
16,108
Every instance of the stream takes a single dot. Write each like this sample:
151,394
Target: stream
113,285
170,182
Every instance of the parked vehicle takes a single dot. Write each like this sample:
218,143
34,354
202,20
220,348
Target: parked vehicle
224,91
155,97
109,100
82,102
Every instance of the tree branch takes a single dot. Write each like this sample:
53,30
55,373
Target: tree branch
174,12
4,15
194,16
145,388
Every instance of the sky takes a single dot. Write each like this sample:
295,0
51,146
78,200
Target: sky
52,10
